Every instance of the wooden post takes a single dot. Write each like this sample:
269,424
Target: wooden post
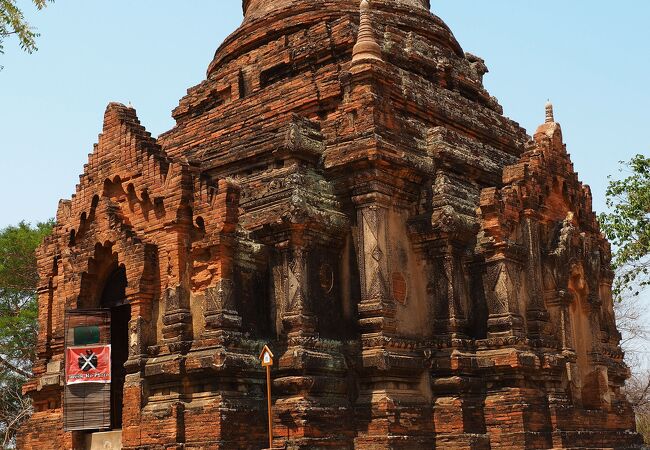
267,361
268,393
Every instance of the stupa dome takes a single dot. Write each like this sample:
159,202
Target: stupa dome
265,20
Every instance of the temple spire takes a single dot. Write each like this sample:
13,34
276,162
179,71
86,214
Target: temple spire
550,118
366,46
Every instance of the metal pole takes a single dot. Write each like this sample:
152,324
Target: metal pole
268,393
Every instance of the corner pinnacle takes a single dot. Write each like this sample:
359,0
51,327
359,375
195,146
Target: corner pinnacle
366,46
550,118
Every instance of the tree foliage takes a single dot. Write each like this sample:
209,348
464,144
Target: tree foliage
627,226
18,320
13,23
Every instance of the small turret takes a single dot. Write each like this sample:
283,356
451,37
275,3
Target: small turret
366,46
550,118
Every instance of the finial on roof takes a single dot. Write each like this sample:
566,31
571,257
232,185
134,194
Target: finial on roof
366,46
549,112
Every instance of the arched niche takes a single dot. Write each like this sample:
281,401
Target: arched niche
114,292
136,260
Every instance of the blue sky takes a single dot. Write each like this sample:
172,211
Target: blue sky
590,58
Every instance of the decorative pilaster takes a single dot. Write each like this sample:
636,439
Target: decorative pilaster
177,320
502,284
376,309
293,313
176,264
220,309
536,314
448,289
221,313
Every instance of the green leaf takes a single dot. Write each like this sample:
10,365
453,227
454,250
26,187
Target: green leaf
13,23
627,225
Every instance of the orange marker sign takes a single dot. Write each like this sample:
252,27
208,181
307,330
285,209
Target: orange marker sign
266,357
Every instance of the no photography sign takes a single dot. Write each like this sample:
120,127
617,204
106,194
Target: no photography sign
88,365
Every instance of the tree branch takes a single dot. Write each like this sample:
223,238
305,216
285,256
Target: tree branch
14,368
25,411
643,397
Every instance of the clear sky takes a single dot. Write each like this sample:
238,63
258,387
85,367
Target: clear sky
590,57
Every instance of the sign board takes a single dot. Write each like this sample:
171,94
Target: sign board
266,357
89,364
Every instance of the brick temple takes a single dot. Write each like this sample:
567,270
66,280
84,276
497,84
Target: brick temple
342,188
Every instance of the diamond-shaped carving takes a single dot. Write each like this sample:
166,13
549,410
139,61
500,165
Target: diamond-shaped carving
377,254
371,217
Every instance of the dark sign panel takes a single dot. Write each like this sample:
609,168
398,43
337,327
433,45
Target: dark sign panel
86,335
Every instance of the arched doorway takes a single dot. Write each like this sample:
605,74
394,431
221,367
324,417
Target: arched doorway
114,299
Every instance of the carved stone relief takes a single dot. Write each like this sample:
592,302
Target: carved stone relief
375,252
220,297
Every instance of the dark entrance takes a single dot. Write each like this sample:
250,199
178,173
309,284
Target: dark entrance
114,298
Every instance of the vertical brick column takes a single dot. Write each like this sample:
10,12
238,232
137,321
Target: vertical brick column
135,384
